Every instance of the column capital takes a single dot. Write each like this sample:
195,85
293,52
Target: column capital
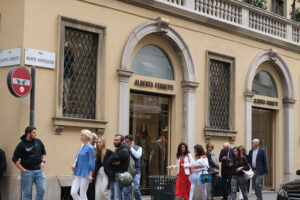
124,74
249,95
189,86
288,102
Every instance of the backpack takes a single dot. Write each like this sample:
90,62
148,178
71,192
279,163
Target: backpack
131,167
126,178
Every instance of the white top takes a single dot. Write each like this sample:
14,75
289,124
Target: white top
201,161
254,155
137,154
187,162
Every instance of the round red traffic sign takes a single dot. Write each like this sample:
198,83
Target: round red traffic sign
19,81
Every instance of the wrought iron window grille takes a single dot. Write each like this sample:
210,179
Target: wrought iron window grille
219,79
80,69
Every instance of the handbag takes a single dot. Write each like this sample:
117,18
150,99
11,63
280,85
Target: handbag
248,174
205,178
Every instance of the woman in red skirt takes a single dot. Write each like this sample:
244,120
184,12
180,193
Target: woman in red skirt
184,158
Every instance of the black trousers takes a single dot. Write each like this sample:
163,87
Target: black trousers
226,182
0,187
91,191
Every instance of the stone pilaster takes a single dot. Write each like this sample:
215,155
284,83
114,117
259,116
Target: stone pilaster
188,132
248,97
288,130
124,76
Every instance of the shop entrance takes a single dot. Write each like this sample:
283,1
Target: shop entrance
149,124
262,129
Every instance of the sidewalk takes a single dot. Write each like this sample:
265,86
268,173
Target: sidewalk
267,195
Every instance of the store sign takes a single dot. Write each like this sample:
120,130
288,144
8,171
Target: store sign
19,81
10,57
265,102
39,58
150,84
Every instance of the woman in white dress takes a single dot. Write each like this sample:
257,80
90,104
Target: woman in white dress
199,166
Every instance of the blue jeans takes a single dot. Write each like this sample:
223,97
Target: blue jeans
136,185
38,178
115,191
257,182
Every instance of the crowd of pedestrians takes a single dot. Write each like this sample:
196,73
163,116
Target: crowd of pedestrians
235,163
97,169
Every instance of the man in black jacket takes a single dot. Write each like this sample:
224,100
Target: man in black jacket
259,164
2,167
29,157
224,158
118,162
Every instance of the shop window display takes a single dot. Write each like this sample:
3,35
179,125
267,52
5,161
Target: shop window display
149,124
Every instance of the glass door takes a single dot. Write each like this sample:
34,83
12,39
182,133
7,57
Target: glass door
262,129
149,124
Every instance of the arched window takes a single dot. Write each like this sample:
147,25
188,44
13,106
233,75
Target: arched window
264,84
152,61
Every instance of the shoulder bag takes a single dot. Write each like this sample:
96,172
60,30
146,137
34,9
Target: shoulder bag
248,174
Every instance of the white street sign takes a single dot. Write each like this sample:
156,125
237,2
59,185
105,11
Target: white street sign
10,57
39,58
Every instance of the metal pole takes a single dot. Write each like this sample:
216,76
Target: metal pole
32,96
132,191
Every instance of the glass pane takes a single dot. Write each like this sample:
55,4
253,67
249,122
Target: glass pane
80,65
152,61
149,124
219,94
264,84
262,121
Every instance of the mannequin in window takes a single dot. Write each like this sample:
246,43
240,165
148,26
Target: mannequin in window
144,140
278,7
68,74
159,152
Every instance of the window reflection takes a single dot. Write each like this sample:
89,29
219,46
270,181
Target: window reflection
152,61
264,84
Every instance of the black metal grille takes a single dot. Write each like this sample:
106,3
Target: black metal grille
219,94
80,67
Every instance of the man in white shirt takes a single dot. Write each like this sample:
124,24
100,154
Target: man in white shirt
136,153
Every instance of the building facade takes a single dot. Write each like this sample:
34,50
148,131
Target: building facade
165,71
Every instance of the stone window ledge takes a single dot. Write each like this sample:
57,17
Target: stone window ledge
65,181
210,132
61,122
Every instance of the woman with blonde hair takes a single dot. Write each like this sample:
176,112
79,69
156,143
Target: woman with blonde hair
102,155
83,167
91,189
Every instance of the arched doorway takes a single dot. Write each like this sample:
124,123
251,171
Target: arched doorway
156,71
162,28
265,107
263,111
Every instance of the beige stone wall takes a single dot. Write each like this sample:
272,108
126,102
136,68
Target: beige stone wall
34,24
